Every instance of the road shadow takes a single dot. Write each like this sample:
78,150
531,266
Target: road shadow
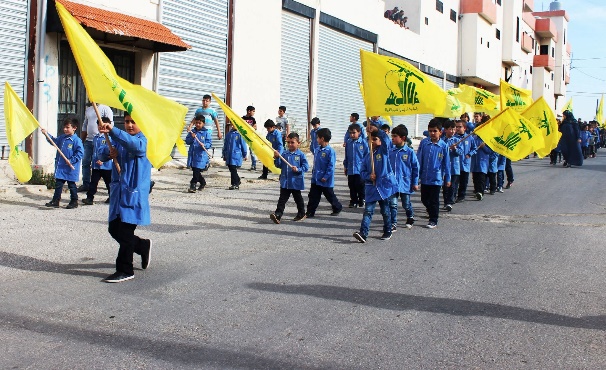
173,352
28,263
447,306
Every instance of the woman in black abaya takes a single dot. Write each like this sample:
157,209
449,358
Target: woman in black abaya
570,142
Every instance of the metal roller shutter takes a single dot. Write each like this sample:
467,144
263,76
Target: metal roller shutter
186,76
294,76
338,76
13,44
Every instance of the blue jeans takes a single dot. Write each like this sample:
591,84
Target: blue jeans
369,210
253,159
500,178
71,185
406,204
87,161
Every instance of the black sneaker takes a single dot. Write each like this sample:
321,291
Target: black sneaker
87,201
72,204
336,213
362,204
82,189
359,237
192,188
479,196
459,200
386,236
394,228
146,256
53,203
233,187
448,208
262,177
353,204
201,187
300,217
508,185
118,277
409,223
309,215
107,201
431,225
274,218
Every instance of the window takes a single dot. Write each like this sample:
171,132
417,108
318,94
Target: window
453,15
552,52
564,36
552,77
498,2
439,6
488,44
481,40
517,29
426,21
530,69
544,50
498,34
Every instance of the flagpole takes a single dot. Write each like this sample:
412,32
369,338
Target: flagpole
201,144
372,156
56,147
107,141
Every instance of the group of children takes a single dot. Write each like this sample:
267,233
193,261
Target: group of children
590,139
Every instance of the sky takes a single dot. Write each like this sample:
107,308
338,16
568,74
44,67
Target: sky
587,36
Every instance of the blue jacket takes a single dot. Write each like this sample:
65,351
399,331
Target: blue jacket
385,185
469,149
275,138
501,162
362,133
129,190
288,178
197,157
405,167
325,160
313,143
234,148
479,162
434,162
72,148
455,155
98,148
493,160
585,138
355,151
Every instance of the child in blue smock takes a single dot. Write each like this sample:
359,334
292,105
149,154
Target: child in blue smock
434,170
200,141
100,169
129,196
71,146
313,135
501,172
406,171
291,177
234,152
455,153
274,136
380,185
323,175
356,149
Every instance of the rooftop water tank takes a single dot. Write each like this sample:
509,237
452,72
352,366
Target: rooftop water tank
555,5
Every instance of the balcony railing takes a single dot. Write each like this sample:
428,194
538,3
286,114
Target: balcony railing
544,61
527,43
529,19
485,8
546,28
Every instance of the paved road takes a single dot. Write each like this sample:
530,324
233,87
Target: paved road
514,281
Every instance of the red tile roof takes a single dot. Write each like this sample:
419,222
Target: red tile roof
123,25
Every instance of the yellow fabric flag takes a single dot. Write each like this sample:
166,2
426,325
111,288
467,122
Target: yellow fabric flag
542,116
511,135
181,146
454,107
393,87
479,100
160,119
20,123
386,118
599,114
516,98
258,144
568,106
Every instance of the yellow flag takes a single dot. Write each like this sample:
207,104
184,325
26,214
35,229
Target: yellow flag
479,100
454,107
160,119
511,135
181,146
258,144
20,123
542,116
568,106
516,98
393,87
599,114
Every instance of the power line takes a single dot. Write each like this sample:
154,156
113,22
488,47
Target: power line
588,75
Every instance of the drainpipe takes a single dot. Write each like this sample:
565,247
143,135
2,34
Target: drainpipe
31,65
39,57
156,54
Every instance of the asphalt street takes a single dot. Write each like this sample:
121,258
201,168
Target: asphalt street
513,281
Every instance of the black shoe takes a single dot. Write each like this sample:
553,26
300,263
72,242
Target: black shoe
233,187
151,185
82,189
118,277
201,187
359,237
409,223
309,215
72,204
448,208
386,236
459,200
107,201
508,185
361,204
479,196
394,228
300,217
492,193
262,177
53,203
146,256
274,218
353,204
336,213
192,188
87,201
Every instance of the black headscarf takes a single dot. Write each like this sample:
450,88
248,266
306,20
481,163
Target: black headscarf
569,118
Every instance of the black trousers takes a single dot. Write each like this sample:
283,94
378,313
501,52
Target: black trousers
284,196
462,188
315,194
265,171
479,182
97,175
197,177
449,193
492,181
508,170
356,189
124,234
430,197
235,179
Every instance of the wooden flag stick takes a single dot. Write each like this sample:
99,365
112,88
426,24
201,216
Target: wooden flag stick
59,150
108,142
285,161
201,144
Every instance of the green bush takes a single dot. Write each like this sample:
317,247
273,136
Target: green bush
41,178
